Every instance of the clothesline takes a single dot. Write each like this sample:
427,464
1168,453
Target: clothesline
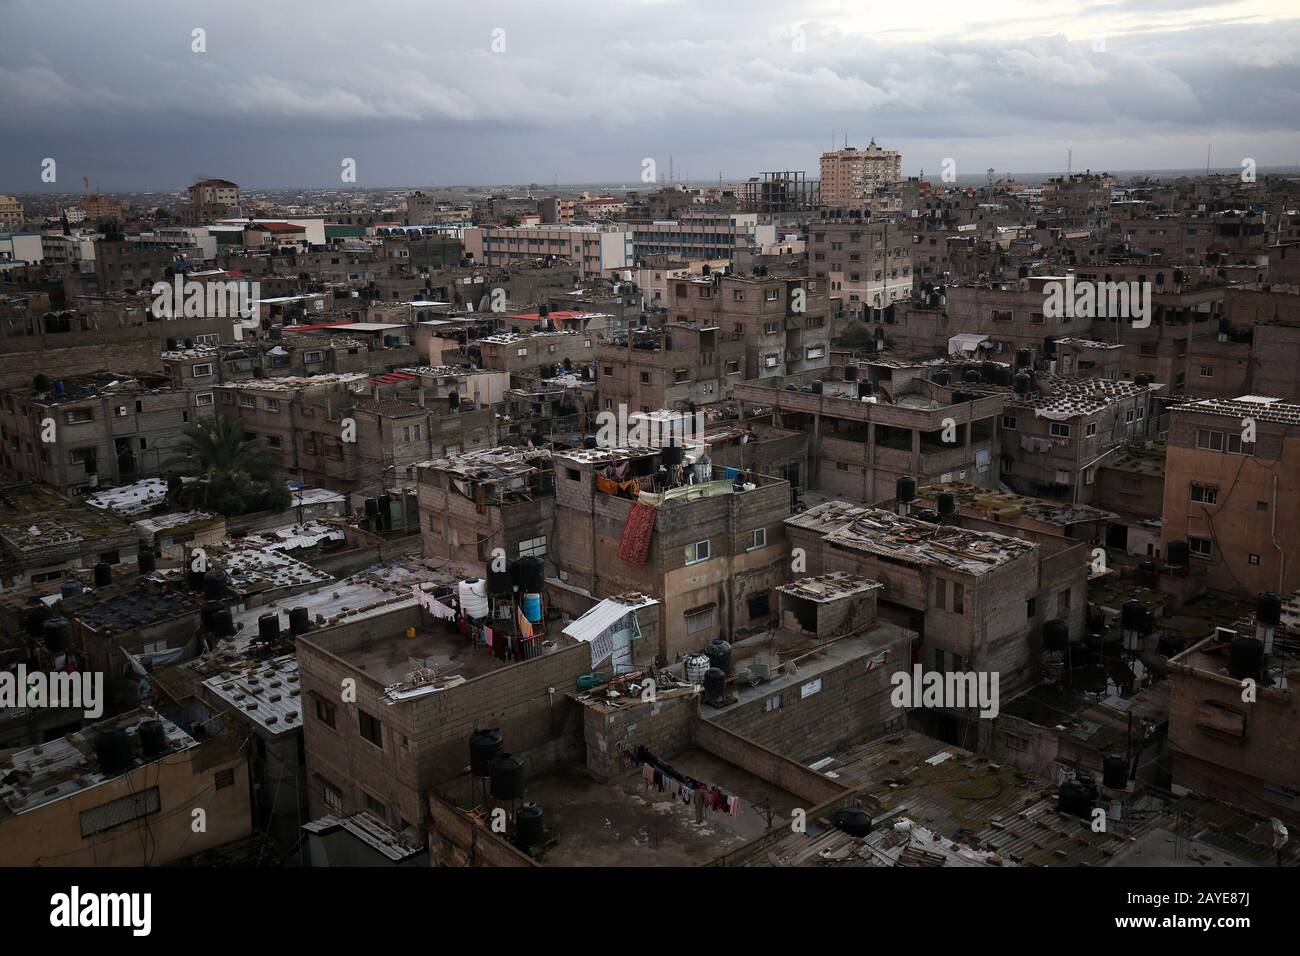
662,776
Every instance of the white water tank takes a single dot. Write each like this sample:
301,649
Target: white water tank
696,666
473,598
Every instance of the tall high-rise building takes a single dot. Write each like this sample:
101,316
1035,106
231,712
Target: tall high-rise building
850,175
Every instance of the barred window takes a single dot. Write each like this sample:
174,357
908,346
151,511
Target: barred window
116,812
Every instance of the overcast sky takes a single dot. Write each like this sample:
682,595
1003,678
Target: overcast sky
415,92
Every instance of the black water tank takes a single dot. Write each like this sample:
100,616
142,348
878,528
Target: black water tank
146,562
1246,657
853,821
718,651
503,581
506,773
972,376
1004,376
1077,797
942,377
865,388
589,442
947,502
35,616
905,488
926,514
817,387
299,620
214,585
1268,608
1178,553
103,574
1135,616
484,746
715,685
672,455
1056,635
372,508
57,632
223,623
1142,379
208,612
1114,771
113,751
453,400
385,504
530,574
529,826
193,579
1170,645
268,627
989,372
153,739
850,373
1024,358
1021,383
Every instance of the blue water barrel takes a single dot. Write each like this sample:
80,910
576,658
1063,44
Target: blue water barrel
532,604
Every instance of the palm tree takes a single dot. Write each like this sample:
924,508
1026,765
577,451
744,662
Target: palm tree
238,474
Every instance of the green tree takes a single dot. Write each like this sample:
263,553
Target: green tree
235,474
856,335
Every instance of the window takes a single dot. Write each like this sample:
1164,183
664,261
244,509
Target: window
645,378
1091,430
695,553
773,295
248,401
202,371
1207,371
325,712
1058,430
311,358
332,796
273,441
958,599
371,729
203,400
116,812
272,404
680,375
1201,547
1063,601
699,620
76,415
940,590
376,807
757,539
572,474
1009,422
534,547
1205,494
224,778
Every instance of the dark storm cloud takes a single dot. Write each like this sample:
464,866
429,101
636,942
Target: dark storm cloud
585,91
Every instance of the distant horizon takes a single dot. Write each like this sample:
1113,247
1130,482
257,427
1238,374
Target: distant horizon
968,179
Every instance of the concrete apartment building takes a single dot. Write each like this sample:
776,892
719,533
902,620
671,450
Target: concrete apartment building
782,320
523,354
381,750
393,425
850,175
109,796
700,235
669,367
474,503
972,597
104,428
123,265
1231,499
1244,754
710,552
1056,433
866,264
11,214
592,249
857,449
209,200
1080,201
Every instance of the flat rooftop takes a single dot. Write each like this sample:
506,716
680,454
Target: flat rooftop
392,659
625,823
67,765
1004,505
1247,406
909,540
265,692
